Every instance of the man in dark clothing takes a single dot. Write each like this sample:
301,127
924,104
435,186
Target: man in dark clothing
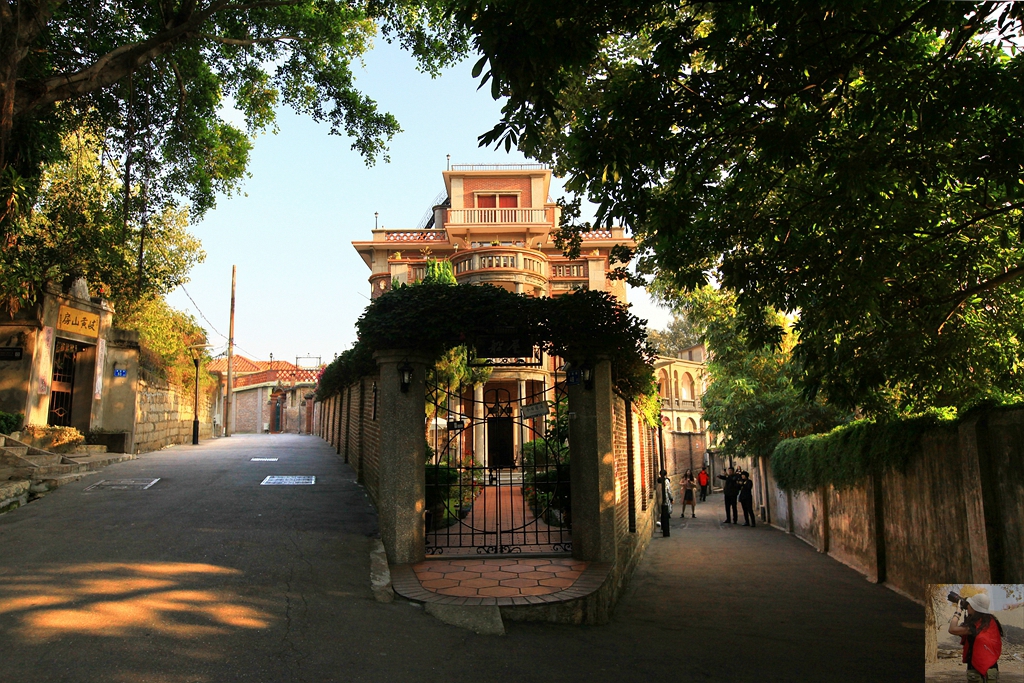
704,480
731,489
747,499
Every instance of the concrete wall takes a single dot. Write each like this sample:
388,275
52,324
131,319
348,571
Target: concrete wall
164,417
956,515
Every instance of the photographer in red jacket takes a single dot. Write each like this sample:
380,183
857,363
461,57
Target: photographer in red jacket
981,634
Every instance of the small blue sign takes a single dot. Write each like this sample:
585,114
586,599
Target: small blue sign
120,372
573,377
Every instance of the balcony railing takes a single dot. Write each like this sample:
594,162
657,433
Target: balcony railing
476,216
416,236
680,404
499,167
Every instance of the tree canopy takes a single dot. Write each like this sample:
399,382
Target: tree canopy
680,335
859,164
752,398
75,230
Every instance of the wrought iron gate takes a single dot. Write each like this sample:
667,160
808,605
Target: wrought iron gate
62,383
497,472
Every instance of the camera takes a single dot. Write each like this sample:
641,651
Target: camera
957,600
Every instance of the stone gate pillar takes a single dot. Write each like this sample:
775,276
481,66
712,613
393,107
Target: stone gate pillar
400,495
592,466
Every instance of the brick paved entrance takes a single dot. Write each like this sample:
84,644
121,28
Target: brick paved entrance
499,581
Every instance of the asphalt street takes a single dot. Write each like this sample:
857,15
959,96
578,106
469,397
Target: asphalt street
208,576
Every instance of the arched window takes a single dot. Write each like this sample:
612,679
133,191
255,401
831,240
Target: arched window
676,383
663,384
691,426
679,424
689,387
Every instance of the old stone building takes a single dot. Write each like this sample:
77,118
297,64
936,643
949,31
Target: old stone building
269,396
62,363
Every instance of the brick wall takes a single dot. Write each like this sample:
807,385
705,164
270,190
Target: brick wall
471,185
348,421
163,416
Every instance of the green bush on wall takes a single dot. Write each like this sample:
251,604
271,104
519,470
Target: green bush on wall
10,422
848,454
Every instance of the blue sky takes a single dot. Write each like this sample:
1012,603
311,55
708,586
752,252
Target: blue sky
301,286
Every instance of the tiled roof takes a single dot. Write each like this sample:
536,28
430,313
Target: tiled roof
289,376
241,364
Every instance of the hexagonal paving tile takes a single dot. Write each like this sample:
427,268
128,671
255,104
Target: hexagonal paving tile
499,592
479,583
519,583
557,583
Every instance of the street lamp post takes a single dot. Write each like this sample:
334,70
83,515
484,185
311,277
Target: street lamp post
196,350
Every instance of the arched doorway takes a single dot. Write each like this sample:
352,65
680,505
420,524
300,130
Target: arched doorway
278,417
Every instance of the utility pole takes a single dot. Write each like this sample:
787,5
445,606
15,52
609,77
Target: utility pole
231,356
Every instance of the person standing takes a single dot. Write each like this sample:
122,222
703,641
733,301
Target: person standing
689,489
704,480
981,634
731,489
746,497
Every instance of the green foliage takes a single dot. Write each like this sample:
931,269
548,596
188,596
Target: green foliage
847,455
752,398
348,368
856,162
10,422
165,334
75,228
439,272
680,335
157,77
582,326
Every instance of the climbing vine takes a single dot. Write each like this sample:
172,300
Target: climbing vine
847,455
433,317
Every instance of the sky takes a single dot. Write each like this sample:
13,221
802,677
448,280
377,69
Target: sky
300,284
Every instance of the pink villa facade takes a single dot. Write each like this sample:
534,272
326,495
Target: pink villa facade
496,226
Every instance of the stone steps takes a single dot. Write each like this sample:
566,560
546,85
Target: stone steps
88,449
20,451
44,460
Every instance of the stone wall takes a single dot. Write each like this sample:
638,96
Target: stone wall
163,416
956,515
348,421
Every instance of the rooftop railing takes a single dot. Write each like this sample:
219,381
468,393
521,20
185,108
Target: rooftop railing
416,236
499,167
476,216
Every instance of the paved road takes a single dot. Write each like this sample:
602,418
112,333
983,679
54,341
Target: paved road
209,577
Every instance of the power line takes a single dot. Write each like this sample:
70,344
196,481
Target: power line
203,316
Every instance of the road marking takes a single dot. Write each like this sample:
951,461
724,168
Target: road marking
275,480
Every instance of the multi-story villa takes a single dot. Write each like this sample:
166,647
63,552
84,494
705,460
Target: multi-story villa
496,225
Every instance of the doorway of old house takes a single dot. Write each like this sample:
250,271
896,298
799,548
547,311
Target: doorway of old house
71,383
497,470
278,402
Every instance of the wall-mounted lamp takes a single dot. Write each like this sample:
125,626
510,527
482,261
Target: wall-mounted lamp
587,373
405,377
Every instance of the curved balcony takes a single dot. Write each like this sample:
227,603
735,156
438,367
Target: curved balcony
501,258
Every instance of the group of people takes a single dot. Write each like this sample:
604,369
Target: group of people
738,487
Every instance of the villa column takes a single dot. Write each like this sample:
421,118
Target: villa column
478,426
592,475
517,431
402,482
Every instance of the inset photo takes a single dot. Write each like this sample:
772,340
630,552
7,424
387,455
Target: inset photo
974,632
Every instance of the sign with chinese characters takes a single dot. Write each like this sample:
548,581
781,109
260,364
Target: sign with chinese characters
534,410
78,321
120,372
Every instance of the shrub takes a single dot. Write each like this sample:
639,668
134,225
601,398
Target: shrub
10,422
50,438
850,453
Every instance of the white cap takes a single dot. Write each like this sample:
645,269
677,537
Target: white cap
980,603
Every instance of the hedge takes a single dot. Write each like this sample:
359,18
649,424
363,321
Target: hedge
849,453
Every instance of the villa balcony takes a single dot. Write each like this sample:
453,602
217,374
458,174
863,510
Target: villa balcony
680,404
499,216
